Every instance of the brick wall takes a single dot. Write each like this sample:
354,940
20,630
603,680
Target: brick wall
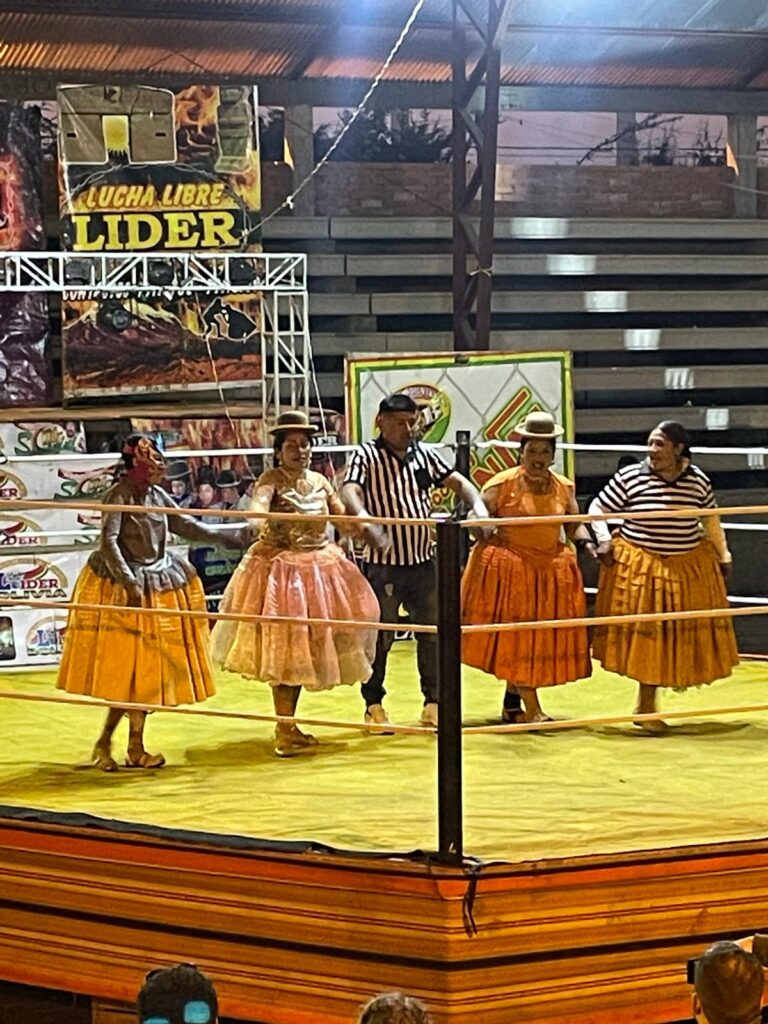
386,190
555,191
423,190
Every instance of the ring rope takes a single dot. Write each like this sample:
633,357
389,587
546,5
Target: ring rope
615,620
210,713
586,517
468,730
321,449
192,613
577,723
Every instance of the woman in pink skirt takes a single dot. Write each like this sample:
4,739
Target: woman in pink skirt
293,571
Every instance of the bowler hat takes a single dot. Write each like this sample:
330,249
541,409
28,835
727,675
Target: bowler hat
539,425
178,471
294,419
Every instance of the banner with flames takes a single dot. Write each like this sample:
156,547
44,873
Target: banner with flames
25,376
146,169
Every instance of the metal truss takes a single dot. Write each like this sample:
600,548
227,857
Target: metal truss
153,273
475,127
276,282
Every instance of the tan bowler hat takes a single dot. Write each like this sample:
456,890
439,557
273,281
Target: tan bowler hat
294,419
539,425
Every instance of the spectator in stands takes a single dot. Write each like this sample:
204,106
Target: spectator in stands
525,573
728,986
394,476
394,1008
177,995
663,565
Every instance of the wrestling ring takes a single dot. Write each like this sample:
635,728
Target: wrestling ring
500,871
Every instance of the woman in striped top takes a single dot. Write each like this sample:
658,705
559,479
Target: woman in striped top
663,565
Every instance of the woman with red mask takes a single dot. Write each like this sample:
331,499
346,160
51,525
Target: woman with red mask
118,655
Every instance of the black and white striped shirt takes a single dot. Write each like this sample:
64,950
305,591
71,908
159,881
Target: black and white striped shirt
639,489
398,488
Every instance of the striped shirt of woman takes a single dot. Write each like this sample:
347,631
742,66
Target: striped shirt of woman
639,489
398,488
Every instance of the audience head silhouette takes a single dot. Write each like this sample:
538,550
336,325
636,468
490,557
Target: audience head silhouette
177,995
728,986
395,1008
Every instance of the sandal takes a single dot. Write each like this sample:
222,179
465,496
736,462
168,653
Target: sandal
291,741
102,759
141,759
513,716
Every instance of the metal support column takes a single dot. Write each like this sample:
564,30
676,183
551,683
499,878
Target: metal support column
449,757
475,100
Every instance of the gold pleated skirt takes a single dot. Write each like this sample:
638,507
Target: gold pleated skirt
144,659
673,652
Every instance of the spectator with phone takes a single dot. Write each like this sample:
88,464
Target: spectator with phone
728,985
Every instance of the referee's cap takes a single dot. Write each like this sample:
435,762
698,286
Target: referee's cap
399,402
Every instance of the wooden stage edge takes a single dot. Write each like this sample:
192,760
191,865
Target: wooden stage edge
305,938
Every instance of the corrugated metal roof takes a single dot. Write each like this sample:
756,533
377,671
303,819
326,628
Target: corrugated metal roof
690,43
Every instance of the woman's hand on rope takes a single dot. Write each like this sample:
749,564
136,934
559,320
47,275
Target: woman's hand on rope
604,552
135,595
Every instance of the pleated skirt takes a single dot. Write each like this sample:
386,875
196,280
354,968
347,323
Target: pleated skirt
673,652
126,656
501,585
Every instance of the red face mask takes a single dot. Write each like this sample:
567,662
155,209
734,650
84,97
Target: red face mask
148,464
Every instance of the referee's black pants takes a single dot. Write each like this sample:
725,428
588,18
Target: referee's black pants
414,587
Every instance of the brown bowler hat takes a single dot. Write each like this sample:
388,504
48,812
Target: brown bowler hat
294,419
539,425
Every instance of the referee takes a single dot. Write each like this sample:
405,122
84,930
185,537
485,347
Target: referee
393,477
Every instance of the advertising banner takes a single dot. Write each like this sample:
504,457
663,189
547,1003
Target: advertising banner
147,169
25,375
30,636
485,393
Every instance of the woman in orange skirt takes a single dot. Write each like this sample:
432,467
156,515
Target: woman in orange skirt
663,565
294,571
525,573
118,655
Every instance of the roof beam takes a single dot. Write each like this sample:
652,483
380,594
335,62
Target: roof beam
273,92
390,14
666,101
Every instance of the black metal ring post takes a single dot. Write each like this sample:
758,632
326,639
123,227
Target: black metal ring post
449,756
462,465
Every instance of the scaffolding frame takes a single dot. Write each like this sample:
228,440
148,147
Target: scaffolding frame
277,281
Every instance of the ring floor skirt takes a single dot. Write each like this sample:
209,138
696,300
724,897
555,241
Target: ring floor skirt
672,652
500,585
319,584
143,659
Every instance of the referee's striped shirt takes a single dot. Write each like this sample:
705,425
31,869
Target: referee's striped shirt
395,487
639,489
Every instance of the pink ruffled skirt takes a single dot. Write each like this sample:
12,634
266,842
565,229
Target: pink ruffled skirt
294,585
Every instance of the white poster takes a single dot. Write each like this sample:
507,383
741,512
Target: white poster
486,393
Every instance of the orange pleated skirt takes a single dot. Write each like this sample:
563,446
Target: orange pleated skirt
672,653
123,656
502,585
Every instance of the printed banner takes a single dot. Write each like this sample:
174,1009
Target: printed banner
31,636
60,480
25,375
503,389
146,169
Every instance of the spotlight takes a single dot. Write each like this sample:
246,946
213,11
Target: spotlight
160,272
242,272
77,272
114,316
